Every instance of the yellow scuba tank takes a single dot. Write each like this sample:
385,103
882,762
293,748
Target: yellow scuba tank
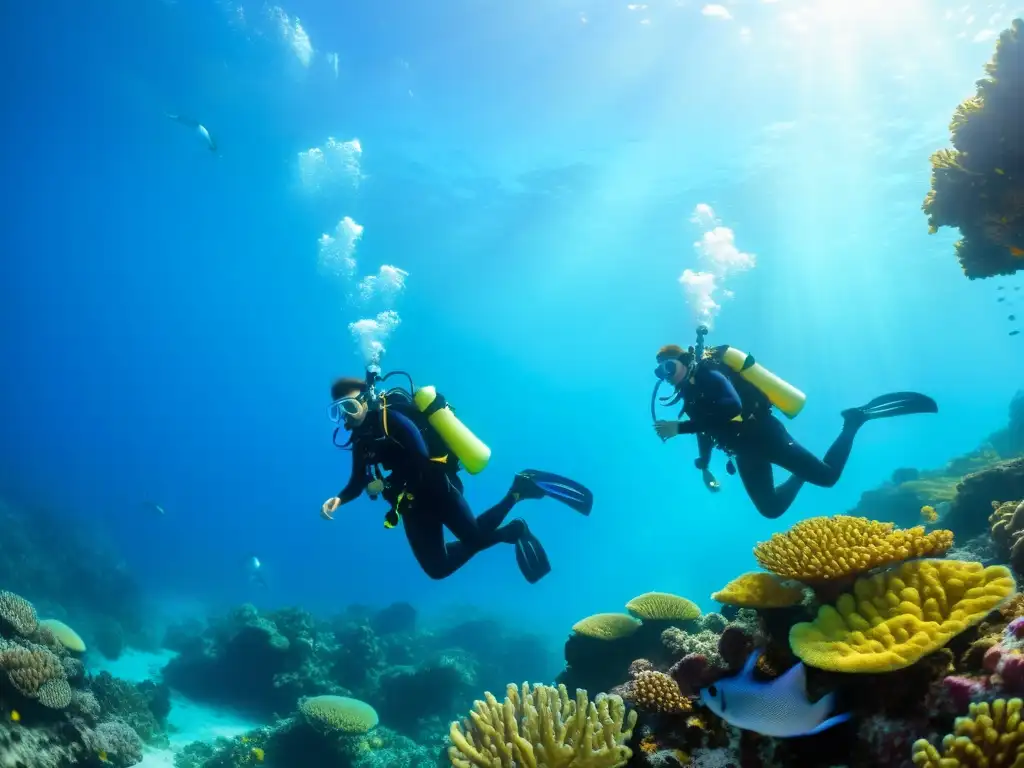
782,395
471,451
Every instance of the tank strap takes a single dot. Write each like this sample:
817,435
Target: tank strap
437,405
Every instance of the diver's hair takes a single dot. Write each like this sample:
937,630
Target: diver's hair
674,352
346,384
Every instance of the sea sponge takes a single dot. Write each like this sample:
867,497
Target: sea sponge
991,735
606,626
824,549
662,606
64,634
543,728
657,691
892,619
758,589
338,714
18,613
36,673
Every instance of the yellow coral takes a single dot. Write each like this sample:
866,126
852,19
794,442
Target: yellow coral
606,626
893,619
339,714
64,635
758,589
657,691
823,549
662,606
992,735
543,728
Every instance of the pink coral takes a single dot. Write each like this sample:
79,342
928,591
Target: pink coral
963,690
1015,628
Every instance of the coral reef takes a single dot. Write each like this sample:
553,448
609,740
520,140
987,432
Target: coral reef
963,490
55,717
978,185
542,728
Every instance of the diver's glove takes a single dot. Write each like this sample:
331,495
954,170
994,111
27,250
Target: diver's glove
667,429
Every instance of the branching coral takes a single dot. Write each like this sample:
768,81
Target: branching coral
1007,526
543,728
893,619
824,549
992,735
36,673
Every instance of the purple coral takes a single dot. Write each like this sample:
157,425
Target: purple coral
963,690
1015,628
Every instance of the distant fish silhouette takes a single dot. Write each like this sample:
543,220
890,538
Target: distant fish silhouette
255,570
198,128
1014,333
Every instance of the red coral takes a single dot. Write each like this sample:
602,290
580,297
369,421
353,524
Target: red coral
734,646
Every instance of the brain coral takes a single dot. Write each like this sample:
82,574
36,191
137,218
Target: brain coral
662,606
892,619
606,626
758,590
338,713
823,549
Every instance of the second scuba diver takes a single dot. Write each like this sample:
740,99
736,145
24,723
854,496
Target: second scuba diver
728,400
419,440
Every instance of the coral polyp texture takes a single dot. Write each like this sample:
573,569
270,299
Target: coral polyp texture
825,549
662,606
991,735
759,590
606,626
541,727
658,692
1007,528
895,618
978,185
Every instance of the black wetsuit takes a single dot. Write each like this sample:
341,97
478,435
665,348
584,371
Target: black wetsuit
757,441
433,495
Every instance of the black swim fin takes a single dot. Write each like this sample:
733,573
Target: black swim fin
535,484
530,556
892,404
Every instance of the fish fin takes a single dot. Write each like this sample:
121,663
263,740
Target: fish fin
826,724
750,663
794,682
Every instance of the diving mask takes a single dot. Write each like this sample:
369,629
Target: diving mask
345,406
667,370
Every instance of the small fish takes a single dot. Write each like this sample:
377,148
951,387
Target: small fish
777,708
15,716
1001,287
199,128
1001,299
258,754
1016,252
928,513
1014,333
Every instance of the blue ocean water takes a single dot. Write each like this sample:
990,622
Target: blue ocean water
534,170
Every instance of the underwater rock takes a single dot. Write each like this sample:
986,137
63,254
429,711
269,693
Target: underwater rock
142,706
395,619
970,510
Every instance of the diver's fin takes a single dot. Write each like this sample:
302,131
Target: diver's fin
535,484
530,556
893,404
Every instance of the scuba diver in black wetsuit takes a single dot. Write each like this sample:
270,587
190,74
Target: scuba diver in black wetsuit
728,400
418,439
